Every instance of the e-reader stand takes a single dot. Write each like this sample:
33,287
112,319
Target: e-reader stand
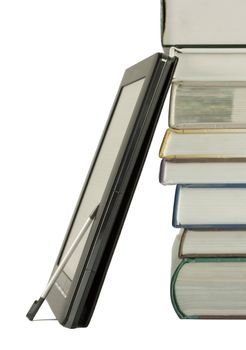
37,303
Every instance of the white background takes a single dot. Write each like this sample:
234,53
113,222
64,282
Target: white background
60,65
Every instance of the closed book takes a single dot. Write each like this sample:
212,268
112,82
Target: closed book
197,206
202,23
207,104
208,288
204,143
202,171
209,64
216,242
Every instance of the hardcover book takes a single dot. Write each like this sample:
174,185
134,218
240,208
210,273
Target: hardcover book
202,23
209,65
204,143
202,171
208,288
201,104
217,242
210,206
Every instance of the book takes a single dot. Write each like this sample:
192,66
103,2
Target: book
197,206
209,64
212,243
208,288
202,171
204,143
201,104
202,23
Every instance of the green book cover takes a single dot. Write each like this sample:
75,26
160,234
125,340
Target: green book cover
216,286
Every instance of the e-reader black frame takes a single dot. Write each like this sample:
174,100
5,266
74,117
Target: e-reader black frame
76,310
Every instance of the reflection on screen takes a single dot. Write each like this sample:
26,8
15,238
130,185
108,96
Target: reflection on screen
103,167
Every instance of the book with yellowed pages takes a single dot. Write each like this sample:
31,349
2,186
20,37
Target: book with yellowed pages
209,287
204,143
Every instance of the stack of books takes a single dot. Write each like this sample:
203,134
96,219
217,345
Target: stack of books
204,154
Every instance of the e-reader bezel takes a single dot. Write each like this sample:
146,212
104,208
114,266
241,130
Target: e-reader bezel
77,308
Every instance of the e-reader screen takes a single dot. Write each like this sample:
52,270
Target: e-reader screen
106,158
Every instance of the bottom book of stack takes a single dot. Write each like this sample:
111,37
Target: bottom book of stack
209,274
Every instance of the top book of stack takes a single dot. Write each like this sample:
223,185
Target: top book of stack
199,23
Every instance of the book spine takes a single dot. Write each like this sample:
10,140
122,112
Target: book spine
172,289
164,143
162,172
175,222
